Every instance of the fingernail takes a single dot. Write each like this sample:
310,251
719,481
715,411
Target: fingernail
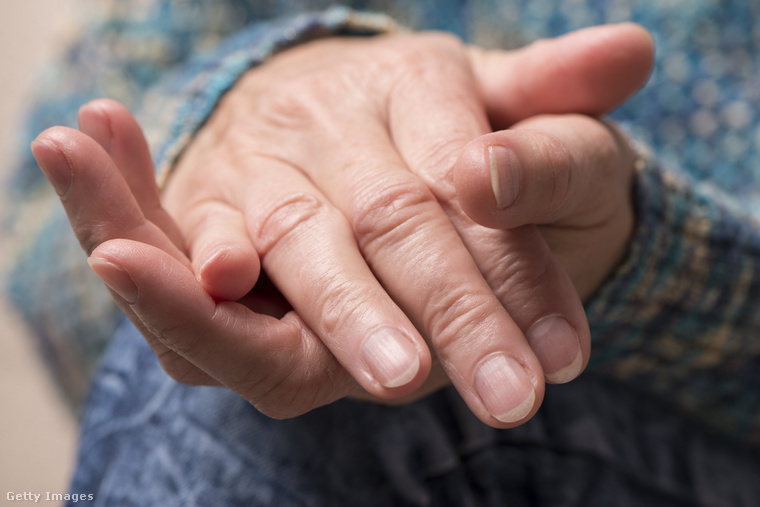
557,347
210,259
505,388
54,164
102,130
115,278
391,357
505,175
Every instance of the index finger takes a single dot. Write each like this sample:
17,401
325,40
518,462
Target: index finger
279,365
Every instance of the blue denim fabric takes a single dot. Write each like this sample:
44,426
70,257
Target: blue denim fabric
147,440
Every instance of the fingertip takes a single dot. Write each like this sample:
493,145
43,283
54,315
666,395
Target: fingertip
95,122
488,178
102,106
589,71
558,347
641,38
43,149
506,389
613,62
57,138
393,360
227,273
636,51
113,127
53,163
224,260
115,277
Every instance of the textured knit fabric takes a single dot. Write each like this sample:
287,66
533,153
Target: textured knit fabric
677,320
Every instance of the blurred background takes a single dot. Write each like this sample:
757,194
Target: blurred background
37,431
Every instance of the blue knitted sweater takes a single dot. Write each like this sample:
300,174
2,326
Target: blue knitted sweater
678,319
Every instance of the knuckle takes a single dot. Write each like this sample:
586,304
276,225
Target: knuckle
424,66
415,51
311,99
291,105
519,279
435,163
571,173
404,63
454,319
293,214
338,302
388,213
560,168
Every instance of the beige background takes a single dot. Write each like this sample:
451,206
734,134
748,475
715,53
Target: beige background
37,433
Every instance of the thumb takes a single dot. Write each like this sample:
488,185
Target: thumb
566,170
589,71
570,173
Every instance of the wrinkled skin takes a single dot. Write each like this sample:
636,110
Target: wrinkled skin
431,213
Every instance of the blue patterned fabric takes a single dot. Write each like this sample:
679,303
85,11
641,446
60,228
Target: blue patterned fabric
677,321
150,441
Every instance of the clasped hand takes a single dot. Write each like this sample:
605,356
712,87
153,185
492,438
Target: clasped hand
371,217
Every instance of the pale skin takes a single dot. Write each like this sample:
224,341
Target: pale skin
414,245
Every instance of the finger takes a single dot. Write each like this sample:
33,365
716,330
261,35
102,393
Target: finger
224,258
531,283
337,295
121,287
116,130
97,199
543,171
566,172
589,71
290,223
279,366
101,207
539,297
416,253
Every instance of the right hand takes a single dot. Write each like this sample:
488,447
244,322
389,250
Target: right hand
280,365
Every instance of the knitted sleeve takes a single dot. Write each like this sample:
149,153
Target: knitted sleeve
680,316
